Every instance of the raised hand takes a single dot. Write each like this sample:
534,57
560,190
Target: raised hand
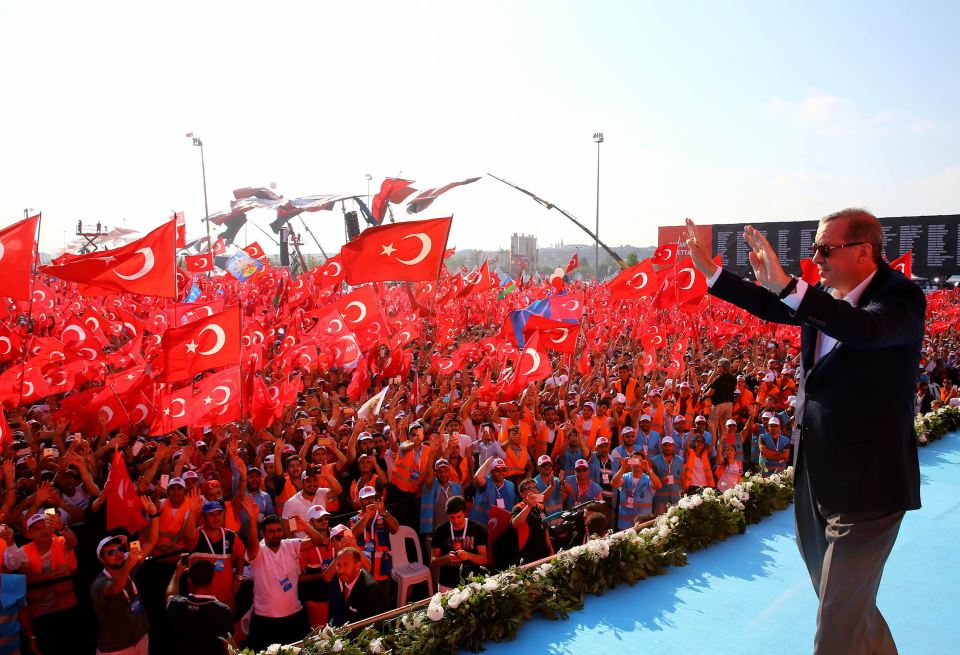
699,253
764,260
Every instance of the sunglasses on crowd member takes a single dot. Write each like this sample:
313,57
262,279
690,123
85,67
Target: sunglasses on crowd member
825,250
110,552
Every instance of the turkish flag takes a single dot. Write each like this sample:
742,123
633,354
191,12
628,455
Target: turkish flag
266,402
392,190
361,314
555,335
573,264
198,263
635,282
16,258
219,247
212,342
6,436
145,266
171,410
904,264
408,251
124,509
665,255
217,400
533,364
331,273
809,272
254,250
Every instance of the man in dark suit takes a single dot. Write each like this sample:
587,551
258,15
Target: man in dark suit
856,465
358,595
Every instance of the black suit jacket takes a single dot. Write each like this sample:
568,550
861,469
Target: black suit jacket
855,405
366,599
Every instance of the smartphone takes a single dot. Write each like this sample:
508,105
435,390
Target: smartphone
292,524
538,498
633,461
137,447
134,545
50,452
185,559
50,511
164,479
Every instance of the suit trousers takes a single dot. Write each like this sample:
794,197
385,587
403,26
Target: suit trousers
845,554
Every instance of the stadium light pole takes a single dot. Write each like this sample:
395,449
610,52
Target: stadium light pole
203,171
598,138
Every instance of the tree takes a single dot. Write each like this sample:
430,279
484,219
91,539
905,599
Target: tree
632,259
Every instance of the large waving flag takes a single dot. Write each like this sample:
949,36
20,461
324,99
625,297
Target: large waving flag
124,509
212,342
392,190
145,266
425,198
409,251
16,258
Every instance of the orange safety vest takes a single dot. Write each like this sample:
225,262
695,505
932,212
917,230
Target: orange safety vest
333,500
55,597
288,491
656,419
459,473
687,475
516,464
524,431
631,391
223,573
171,523
598,428
408,472
540,442
355,488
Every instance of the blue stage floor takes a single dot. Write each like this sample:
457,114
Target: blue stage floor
752,594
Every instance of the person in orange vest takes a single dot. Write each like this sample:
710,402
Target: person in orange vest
49,563
222,548
590,426
627,385
697,472
372,527
519,463
407,476
515,419
174,510
656,410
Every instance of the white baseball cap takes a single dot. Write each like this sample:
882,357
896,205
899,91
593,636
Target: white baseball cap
666,440
730,421
774,421
620,398
767,415
603,441
581,464
36,518
108,540
769,377
645,417
367,492
700,419
627,430
316,512
338,529
544,459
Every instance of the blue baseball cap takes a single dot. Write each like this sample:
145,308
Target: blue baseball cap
211,506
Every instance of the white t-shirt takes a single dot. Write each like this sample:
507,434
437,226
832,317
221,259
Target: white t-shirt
275,577
297,505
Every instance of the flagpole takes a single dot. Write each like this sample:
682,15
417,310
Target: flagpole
31,325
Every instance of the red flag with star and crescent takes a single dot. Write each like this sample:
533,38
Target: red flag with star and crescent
635,282
904,264
392,190
145,266
124,509
409,251
212,342
198,263
16,258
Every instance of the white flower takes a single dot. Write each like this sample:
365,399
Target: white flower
273,649
728,494
376,646
337,646
674,520
664,533
598,548
736,504
709,493
656,539
489,584
544,568
696,500
671,510
434,611
743,496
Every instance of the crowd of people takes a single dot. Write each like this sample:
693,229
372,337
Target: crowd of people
262,534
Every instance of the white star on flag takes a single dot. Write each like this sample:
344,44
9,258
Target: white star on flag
388,249
192,347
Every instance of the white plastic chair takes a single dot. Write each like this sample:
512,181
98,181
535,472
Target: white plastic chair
405,572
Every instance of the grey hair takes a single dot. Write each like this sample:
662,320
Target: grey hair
861,226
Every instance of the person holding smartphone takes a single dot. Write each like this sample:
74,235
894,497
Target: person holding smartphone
458,545
527,519
635,482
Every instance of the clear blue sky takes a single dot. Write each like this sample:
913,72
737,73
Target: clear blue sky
719,111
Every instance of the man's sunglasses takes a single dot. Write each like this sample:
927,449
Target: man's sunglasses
110,552
825,250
